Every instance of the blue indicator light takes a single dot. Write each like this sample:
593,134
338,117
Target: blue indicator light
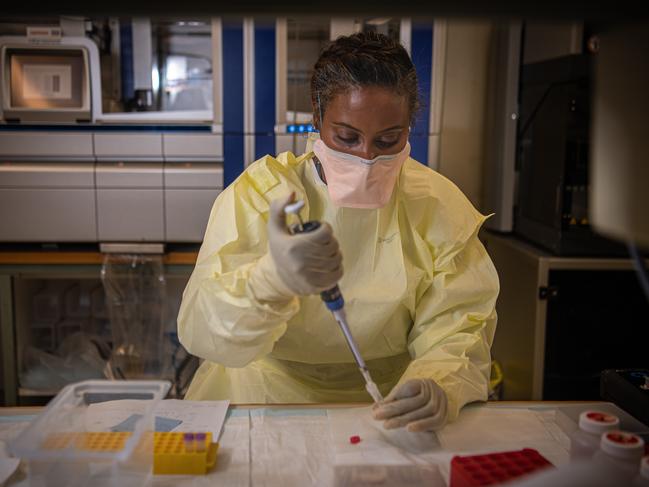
300,128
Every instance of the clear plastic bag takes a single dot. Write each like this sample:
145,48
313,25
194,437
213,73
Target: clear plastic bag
135,289
79,357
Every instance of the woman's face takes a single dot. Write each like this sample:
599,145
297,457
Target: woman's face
366,122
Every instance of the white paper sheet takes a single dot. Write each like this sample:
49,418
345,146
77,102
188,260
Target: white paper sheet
383,457
103,416
195,415
291,449
484,429
377,444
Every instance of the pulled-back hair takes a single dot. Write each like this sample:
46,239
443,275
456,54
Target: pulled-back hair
362,60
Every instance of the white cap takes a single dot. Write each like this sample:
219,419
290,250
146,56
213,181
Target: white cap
621,444
644,467
294,207
598,422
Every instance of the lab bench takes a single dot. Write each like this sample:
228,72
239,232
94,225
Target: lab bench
562,320
23,273
297,444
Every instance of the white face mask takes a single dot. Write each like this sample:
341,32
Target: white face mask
355,182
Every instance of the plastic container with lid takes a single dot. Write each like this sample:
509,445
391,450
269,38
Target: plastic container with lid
58,449
620,452
642,479
585,441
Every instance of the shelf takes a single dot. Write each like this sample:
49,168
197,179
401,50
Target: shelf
22,392
82,258
556,262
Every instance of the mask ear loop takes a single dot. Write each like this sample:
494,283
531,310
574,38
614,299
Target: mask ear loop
318,164
319,112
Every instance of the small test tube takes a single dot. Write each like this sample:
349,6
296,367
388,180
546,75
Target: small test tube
200,442
190,442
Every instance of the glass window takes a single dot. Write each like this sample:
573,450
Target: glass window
383,25
306,38
181,66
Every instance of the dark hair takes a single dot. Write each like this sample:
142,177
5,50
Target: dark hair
359,60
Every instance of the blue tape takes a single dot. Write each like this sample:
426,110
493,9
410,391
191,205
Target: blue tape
18,418
287,412
236,413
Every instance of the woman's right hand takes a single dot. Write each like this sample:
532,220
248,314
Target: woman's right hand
307,263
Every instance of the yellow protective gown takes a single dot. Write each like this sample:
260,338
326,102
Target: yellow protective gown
419,287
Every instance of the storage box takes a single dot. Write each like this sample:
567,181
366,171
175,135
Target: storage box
70,414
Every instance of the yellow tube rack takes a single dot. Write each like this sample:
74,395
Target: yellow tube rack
172,455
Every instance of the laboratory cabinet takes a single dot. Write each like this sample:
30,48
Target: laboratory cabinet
39,198
110,198
563,320
57,324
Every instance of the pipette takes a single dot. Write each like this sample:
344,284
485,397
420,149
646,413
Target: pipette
334,301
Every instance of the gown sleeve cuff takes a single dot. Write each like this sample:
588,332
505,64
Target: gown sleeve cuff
265,283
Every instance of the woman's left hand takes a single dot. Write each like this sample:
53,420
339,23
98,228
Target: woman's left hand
419,404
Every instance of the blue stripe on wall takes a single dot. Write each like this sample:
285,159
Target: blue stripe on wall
264,89
232,51
422,58
126,61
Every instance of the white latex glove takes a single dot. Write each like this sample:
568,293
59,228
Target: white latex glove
305,263
419,404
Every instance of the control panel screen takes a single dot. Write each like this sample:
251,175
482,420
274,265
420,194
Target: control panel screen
46,79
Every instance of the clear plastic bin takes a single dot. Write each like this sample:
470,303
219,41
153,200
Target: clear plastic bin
58,447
